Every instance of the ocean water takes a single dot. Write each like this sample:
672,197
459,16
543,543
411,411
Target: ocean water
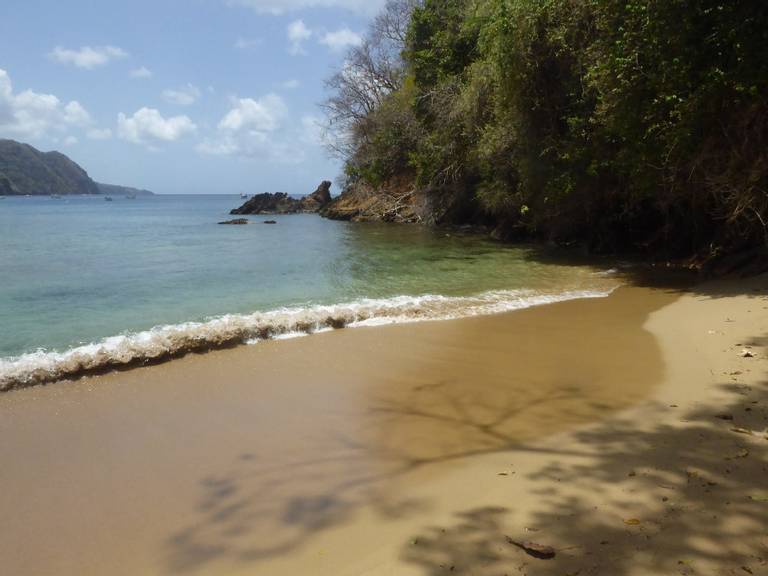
87,284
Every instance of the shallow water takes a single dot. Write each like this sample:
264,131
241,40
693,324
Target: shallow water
79,270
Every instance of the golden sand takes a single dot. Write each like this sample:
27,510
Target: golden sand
416,449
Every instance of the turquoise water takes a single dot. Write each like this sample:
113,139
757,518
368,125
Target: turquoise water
77,270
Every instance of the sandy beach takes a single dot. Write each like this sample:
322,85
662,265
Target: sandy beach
628,433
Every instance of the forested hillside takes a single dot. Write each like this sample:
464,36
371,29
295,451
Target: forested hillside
632,125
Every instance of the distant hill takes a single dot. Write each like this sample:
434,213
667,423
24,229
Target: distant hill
114,190
25,170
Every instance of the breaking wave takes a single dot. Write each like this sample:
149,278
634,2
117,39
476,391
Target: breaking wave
172,341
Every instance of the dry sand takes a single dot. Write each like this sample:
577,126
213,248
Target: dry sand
589,426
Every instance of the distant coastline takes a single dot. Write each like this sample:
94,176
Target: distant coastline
26,171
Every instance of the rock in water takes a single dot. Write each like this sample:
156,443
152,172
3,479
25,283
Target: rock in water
268,203
281,203
235,221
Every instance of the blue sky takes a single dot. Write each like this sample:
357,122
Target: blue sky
177,96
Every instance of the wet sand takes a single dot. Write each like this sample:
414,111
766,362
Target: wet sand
411,449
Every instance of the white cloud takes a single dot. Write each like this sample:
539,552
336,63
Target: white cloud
290,84
87,57
184,96
31,114
341,39
99,134
367,7
148,126
141,72
76,115
70,141
298,33
250,129
246,43
262,115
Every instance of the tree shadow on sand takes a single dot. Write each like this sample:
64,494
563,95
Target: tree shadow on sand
687,499
260,510
694,491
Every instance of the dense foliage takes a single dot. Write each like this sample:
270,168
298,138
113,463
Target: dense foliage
625,124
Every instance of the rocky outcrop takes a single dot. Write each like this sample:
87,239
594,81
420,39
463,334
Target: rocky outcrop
268,203
318,199
281,203
395,202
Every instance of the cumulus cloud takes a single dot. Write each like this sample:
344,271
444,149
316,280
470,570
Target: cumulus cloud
341,39
87,57
147,126
184,96
70,141
249,129
31,114
298,33
262,115
141,72
277,7
290,84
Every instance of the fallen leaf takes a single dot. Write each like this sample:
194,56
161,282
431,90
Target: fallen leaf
741,430
759,497
632,521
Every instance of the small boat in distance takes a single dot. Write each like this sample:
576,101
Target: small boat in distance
243,195
108,198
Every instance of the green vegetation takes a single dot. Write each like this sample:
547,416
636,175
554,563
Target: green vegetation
632,125
26,170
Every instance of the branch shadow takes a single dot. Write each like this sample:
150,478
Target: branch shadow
259,510
672,499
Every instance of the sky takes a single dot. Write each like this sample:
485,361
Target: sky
178,96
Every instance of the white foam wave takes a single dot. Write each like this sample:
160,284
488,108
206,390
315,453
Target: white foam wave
165,342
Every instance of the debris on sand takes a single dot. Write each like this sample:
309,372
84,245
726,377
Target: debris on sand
539,551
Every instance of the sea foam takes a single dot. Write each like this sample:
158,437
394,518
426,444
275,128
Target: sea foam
171,341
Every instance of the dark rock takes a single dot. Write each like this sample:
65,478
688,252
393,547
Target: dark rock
268,203
281,203
236,221
318,199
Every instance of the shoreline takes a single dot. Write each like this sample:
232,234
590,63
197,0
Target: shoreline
409,449
165,343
